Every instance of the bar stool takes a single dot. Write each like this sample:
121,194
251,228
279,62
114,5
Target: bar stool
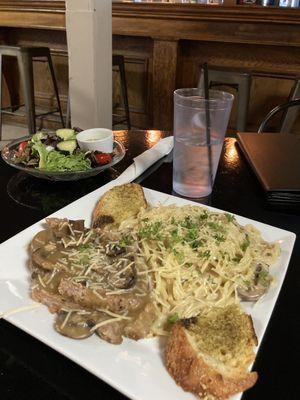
25,56
240,81
118,61
290,115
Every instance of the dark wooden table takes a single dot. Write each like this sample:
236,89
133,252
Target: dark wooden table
31,370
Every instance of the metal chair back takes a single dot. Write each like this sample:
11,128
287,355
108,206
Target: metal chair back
277,109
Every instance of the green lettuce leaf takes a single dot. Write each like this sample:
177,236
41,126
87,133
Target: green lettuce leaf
59,162
43,154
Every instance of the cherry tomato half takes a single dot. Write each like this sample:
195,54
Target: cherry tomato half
22,147
103,158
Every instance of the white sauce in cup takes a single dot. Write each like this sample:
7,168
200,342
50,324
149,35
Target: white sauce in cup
96,139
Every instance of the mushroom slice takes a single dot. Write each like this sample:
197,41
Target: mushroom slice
125,278
65,227
251,294
77,225
260,285
41,239
59,227
73,325
47,257
114,249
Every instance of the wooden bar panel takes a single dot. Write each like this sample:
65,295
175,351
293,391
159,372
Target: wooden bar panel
138,65
164,82
33,14
263,41
163,46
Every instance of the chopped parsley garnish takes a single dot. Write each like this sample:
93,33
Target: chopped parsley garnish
175,237
126,241
216,227
205,254
173,318
245,244
192,234
219,238
188,223
204,215
230,217
186,231
237,258
189,234
179,256
151,231
195,244
84,247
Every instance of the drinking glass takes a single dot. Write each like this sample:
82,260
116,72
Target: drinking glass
199,131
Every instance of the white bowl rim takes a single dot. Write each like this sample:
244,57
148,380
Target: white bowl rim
109,134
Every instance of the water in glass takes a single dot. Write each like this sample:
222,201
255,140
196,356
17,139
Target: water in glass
194,168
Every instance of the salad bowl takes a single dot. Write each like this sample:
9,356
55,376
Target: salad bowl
8,151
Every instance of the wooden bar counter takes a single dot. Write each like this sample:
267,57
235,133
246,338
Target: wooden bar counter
164,45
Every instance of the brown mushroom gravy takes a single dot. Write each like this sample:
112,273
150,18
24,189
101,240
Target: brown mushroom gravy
94,282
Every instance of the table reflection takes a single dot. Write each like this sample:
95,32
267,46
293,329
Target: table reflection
153,137
38,194
230,153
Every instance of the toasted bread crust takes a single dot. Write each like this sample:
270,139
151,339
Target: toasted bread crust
251,327
193,374
119,203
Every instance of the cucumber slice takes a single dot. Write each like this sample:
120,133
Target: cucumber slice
68,145
66,134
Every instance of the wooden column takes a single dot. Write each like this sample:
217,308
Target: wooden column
164,82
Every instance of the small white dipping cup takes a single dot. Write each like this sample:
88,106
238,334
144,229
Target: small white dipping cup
96,139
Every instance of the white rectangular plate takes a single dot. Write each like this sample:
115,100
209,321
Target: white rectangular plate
134,368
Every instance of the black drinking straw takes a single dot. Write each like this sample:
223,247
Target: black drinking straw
207,120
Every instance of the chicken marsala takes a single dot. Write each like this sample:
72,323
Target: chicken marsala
94,281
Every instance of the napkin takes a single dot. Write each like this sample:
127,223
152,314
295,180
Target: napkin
142,162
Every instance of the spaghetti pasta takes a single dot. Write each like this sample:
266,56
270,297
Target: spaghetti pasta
196,258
